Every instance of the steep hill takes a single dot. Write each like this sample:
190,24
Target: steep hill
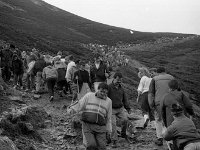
180,57
29,23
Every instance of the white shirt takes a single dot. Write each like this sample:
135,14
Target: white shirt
144,84
69,66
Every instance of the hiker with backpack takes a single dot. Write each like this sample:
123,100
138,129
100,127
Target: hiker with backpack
50,75
40,64
70,79
96,117
62,84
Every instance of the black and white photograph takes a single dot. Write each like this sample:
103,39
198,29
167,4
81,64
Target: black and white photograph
99,75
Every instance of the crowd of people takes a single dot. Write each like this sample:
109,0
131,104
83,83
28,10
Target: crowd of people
97,91
161,99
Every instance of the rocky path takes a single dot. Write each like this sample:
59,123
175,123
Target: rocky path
60,135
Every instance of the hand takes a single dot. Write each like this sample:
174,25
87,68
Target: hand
69,111
76,77
107,75
137,100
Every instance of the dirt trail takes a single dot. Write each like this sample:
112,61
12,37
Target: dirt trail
57,109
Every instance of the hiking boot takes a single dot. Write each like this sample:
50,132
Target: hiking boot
146,123
159,142
51,98
114,144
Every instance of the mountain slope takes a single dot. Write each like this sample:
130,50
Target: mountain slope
36,23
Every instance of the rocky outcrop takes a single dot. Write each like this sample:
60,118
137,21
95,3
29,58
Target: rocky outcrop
7,144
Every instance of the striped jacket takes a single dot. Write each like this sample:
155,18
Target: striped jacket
95,110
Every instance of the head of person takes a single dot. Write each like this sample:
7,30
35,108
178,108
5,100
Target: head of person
12,47
102,91
49,63
117,78
176,110
15,57
161,70
71,58
77,63
97,59
59,53
153,72
41,56
143,72
81,65
173,85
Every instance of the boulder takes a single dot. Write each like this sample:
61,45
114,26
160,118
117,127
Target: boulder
37,116
7,144
36,96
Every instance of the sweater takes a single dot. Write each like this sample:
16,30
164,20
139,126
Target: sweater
95,110
49,72
118,97
171,98
182,130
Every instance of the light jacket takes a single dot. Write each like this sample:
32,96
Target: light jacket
49,72
95,110
158,88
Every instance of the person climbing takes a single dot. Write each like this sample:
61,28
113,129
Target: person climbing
96,117
99,72
82,78
50,76
119,101
157,89
142,97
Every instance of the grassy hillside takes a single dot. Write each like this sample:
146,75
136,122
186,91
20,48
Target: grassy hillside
180,57
34,23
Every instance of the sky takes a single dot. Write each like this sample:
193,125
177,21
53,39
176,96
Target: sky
179,16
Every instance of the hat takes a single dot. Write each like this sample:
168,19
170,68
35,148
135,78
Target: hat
176,109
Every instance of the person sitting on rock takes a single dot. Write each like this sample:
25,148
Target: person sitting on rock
96,117
182,131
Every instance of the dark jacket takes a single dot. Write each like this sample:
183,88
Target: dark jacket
17,65
61,74
182,131
83,77
40,64
174,97
118,97
98,75
6,58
